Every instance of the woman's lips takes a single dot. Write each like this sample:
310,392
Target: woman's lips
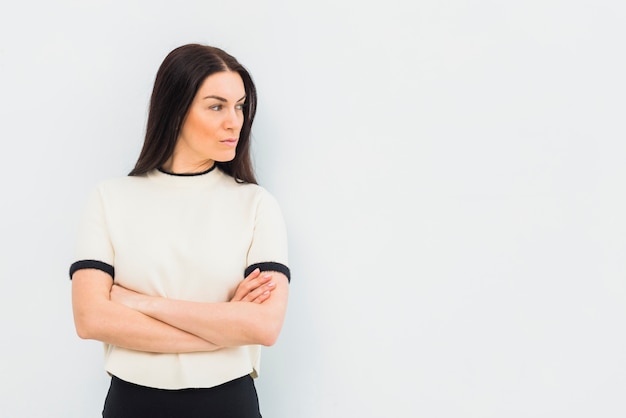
230,141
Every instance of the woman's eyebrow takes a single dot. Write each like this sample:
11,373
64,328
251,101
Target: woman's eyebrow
221,99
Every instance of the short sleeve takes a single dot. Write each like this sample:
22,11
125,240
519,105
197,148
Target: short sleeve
268,249
93,243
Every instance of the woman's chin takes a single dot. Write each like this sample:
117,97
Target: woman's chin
224,158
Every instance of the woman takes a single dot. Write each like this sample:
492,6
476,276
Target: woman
181,267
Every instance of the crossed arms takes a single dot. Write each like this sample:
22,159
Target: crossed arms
107,312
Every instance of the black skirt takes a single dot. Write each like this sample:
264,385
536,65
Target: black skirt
234,399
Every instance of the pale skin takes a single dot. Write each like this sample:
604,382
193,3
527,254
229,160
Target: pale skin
110,313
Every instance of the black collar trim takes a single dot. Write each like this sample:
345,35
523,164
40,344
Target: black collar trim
188,174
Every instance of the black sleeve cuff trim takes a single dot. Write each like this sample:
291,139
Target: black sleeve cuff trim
92,264
269,266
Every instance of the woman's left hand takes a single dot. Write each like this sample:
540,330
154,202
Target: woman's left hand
256,288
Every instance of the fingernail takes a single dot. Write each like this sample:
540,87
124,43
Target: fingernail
270,284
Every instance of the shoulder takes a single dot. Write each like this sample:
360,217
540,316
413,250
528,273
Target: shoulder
259,194
122,183
256,197
249,189
118,187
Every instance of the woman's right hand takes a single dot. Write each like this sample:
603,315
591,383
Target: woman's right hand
256,288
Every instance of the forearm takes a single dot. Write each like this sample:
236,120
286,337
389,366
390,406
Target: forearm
228,324
119,325
97,317
225,324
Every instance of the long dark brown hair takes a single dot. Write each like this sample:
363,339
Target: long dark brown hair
180,76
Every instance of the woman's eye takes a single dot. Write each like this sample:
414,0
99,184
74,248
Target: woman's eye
216,107
240,106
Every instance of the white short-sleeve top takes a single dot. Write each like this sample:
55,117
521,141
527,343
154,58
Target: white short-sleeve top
190,237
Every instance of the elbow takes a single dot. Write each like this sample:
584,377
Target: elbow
268,336
85,327
269,341
269,328
83,333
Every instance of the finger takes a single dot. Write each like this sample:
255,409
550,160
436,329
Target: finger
253,274
267,284
242,290
263,297
250,285
261,291
247,285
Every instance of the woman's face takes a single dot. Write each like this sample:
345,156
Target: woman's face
210,131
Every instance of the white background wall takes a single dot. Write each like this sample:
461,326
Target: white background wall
452,174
